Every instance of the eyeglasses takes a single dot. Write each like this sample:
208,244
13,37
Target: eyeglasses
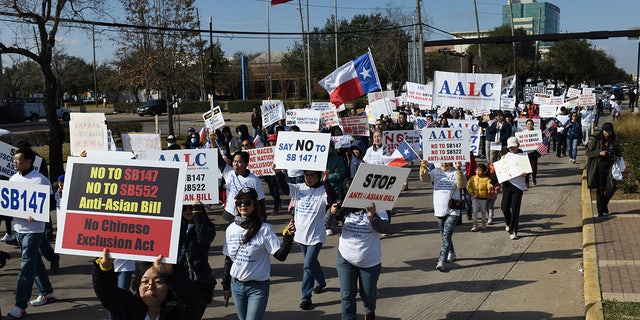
245,202
147,285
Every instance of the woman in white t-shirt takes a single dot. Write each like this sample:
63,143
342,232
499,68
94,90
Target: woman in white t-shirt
447,184
248,245
360,257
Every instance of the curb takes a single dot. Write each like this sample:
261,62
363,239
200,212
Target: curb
592,291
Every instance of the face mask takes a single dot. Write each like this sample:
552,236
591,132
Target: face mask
240,134
193,140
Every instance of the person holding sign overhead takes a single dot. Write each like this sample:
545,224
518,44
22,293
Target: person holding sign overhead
311,199
447,185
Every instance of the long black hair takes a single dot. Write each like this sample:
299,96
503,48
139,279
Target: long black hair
253,222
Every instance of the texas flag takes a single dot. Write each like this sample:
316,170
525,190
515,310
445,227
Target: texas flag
352,80
401,156
274,2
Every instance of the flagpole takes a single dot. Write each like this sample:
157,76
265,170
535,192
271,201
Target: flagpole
269,49
304,37
335,28
373,64
308,59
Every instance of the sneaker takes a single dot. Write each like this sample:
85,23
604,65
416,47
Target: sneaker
440,266
42,300
451,257
17,313
506,228
490,222
7,237
513,236
306,305
474,229
329,232
319,289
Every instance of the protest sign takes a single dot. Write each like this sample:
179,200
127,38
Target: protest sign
213,119
420,94
87,131
202,172
470,90
548,111
392,138
305,119
419,123
522,123
512,166
140,143
355,126
261,161
446,145
272,111
587,100
474,132
302,150
573,92
7,152
541,98
131,207
508,93
24,200
329,118
322,105
378,108
343,141
376,184
529,140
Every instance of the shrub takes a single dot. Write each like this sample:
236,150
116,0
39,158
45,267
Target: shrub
627,130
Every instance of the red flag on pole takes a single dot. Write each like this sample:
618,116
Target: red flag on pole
275,2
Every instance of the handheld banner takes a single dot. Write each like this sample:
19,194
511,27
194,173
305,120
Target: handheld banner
141,143
511,167
446,145
87,131
420,94
302,150
541,98
470,90
587,100
261,161
24,200
131,207
529,140
202,172
213,119
329,118
508,93
474,132
522,123
391,139
305,119
548,111
7,152
113,155
375,184
272,111
355,126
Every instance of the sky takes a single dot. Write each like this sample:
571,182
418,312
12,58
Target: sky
447,15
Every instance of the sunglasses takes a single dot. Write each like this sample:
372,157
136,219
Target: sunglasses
245,202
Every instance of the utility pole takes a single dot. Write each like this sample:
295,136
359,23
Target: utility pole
420,46
513,34
212,64
475,5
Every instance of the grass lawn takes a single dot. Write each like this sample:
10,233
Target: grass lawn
615,310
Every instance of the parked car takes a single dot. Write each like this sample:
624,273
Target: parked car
153,107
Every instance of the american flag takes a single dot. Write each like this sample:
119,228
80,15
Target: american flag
543,147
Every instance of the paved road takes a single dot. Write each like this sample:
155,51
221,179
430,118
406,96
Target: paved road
535,277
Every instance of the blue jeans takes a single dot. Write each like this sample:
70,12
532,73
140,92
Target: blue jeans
31,269
572,146
47,251
312,270
350,278
446,225
250,299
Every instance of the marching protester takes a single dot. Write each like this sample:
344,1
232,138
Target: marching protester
359,260
249,243
479,186
512,191
574,135
602,152
311,200
532,178
157,292
236,177
447,185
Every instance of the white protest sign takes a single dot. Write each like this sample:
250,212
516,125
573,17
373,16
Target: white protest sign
376,184
388,95
522,123
112,155
329,118
470,90
305,119
587,100
201,182
272,111
343,141
529,140
556,100
420,94
355,126
261,161
446,145
573,92
140,143
572,102
322,105
87,131
548,111
24,200
391,139
541,98
213,118
512,166
587,90
302,150
379,108
474,132
7,152
508,93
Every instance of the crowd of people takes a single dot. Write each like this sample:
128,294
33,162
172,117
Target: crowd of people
182,291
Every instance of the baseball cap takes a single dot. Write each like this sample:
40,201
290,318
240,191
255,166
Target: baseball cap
512,142
247,192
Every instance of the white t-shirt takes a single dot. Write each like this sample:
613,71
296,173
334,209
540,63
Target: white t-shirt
373,156
253,260
586,116
359,242
234,183
23,225
309,215
517,181
444,188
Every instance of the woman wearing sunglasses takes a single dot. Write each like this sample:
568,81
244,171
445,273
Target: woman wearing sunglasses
249,243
